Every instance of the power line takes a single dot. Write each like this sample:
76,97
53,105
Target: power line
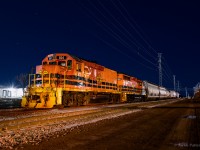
131,23
125,54
160,68
174,77
136,43
110,31
119,32
116,27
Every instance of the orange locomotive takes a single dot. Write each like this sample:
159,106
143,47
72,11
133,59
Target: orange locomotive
66,80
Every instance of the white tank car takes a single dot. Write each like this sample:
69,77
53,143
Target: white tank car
154,91
177,95
164,93
173,94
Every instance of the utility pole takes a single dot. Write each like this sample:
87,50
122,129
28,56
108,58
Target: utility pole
174,82
160,68
186,92
178,89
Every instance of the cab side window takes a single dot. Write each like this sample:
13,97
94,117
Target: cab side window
62,63
44,63
78,67
69,64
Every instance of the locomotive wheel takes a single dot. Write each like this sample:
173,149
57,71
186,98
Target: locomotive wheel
86,99
67,99
80,99
111,98
64,100
116,98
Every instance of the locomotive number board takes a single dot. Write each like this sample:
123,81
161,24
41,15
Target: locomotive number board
61,57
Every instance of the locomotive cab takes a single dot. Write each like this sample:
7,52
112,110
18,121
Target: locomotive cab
44,89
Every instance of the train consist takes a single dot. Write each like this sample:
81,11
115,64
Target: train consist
66,80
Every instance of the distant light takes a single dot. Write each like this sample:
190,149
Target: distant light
16,92
11,89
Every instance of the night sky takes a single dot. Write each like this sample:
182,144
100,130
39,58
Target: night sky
123,35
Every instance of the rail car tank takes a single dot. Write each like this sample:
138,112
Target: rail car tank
156,92
174,94
152,90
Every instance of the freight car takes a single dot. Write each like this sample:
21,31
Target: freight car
155,92
66,80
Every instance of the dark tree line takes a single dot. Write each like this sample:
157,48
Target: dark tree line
22,80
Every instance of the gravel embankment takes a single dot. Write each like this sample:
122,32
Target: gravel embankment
33,128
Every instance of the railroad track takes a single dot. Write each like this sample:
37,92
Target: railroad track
35,126
46,117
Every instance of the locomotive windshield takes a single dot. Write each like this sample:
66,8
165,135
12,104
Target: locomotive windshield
62,63
53,63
